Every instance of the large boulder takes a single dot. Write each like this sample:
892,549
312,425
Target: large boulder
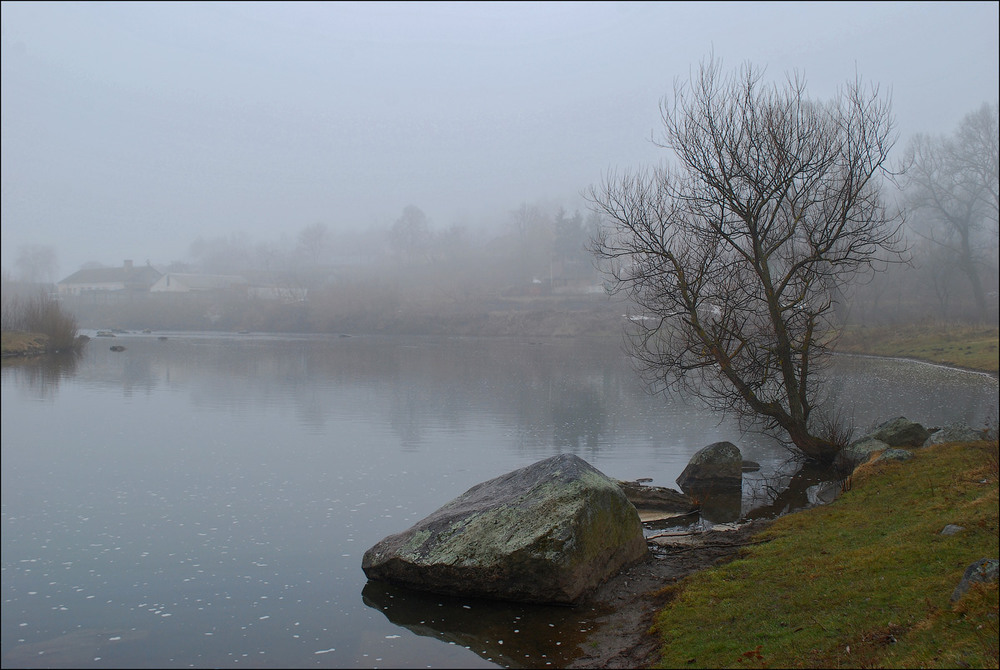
717,466
900,432
547,533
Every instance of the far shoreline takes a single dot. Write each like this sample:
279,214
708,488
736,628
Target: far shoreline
911,359
19,345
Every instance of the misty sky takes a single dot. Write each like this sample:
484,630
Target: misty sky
129,130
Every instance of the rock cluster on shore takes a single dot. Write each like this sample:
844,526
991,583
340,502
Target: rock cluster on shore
893,439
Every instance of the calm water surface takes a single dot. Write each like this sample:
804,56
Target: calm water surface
205,500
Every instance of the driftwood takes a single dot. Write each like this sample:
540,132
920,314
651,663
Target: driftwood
657,498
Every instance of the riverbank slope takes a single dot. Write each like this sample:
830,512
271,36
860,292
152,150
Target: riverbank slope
865,581
962,346
880,580
23,344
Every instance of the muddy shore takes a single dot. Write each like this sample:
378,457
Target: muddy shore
627,603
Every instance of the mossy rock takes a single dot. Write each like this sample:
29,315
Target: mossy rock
547,533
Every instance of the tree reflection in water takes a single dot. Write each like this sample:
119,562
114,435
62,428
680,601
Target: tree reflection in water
513,635
39,376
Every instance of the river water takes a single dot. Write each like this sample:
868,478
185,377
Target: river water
204,500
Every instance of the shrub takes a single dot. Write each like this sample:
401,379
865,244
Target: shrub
39,313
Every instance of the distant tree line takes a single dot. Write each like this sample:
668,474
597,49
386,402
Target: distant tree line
539,242
947,187
405,275
950,195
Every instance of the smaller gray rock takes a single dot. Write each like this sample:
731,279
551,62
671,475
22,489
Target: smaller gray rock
951,529
955,432
900,432
984,570
861,451
894,454
717,466
751,466
823,493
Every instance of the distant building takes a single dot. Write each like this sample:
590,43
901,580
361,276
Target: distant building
106,280
174,282
282,293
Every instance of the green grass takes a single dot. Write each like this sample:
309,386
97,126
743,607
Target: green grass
974,347
863,582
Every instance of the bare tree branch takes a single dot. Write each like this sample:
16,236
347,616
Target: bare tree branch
735,257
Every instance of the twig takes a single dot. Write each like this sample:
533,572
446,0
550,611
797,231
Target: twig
681,534
820,625
709,545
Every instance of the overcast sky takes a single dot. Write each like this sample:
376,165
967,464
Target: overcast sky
129,130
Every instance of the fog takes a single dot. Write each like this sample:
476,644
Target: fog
130,131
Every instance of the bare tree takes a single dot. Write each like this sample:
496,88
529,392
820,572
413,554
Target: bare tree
313,244
410,235
954,181
735,258
532,229
233,254
36,263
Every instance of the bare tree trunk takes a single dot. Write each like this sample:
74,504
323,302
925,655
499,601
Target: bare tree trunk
968,267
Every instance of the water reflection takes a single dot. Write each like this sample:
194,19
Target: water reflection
578,417
787,492
874,390
80,649
509,634
718,504
218,491
40,376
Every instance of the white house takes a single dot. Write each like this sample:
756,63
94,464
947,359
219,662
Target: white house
106,280
282,293
174,282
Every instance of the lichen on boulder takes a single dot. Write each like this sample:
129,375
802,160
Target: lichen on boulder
548,533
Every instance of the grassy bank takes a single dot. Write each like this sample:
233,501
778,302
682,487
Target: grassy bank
973,347
863,582
23,344
35,324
